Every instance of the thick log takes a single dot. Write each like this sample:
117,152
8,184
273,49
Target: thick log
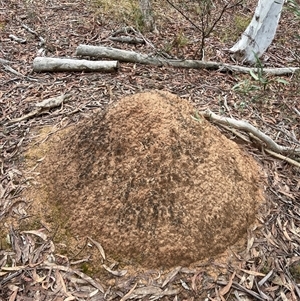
117,54
44,64
135,57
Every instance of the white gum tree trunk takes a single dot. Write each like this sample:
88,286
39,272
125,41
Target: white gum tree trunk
261,31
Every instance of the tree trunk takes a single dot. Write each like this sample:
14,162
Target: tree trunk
261,31
146,11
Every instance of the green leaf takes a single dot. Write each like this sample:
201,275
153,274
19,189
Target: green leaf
282,81
252,73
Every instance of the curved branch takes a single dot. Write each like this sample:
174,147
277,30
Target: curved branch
245,126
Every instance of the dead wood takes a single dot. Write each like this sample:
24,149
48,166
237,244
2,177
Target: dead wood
41,39
3,61
135,57
45,64
17,39
129,40
271,146
42,106
12,70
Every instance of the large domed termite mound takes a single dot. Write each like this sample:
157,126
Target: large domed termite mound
152,184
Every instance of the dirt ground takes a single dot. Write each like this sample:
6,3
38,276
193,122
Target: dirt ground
37,265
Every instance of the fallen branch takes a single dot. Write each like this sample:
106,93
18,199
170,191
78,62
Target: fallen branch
287,159
41,64
12,70
129,40
130,30
3,61
42,107
247,140
271,146
135,57
42,40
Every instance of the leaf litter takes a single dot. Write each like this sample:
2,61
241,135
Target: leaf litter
273,246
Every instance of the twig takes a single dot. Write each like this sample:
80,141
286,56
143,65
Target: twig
184,15
298,112
19,40
289,160
129,40
24,117
10,69
42,40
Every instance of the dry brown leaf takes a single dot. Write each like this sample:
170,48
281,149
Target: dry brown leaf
99,246
262,281
254,273
171,276
38,233
93,293
13,295
148,290
278,281
198,277
115,273
16,268
227,287
69,298
127,296
250,243
286,194
283,296
171,292
36,278
270,239
78,273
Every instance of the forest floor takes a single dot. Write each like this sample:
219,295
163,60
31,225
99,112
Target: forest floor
267,267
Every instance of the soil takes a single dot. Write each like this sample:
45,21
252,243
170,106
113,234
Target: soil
152,181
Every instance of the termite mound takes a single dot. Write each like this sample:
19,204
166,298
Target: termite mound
155,185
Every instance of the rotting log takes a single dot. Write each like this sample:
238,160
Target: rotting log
135,57
44,64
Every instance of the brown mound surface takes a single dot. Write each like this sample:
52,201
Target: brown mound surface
153,185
